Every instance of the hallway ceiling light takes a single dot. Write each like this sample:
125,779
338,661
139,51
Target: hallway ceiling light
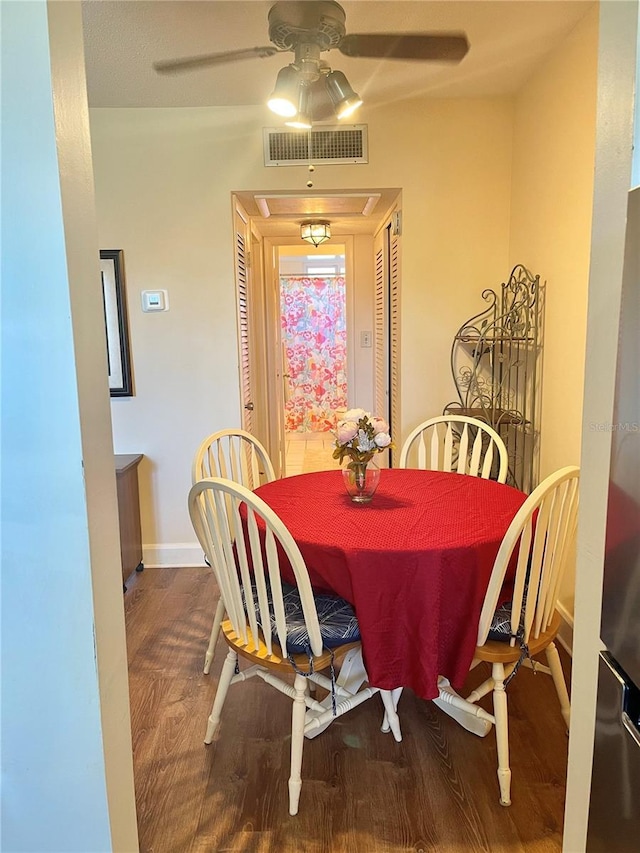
316,231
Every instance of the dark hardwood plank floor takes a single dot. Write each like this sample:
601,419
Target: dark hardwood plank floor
362,792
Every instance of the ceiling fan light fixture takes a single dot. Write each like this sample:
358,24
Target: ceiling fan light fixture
300,122
345,100
315,231
302,119
348,107
284,98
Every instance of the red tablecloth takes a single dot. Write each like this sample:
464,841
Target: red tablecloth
415,563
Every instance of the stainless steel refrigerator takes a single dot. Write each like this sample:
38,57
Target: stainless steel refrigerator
614,812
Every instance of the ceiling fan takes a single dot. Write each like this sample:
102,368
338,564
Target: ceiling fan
307,89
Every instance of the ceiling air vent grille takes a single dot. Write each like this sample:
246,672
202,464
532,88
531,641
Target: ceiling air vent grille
319,145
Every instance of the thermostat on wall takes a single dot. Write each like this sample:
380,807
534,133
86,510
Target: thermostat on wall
155,300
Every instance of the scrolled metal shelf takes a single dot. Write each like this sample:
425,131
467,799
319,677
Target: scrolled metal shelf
494,417
471,339
494,357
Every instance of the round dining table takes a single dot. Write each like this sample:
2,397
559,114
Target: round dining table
415,563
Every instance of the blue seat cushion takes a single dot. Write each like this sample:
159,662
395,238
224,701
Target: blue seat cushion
337,619
500,628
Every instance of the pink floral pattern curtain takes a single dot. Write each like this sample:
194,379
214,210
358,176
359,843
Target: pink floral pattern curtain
314,337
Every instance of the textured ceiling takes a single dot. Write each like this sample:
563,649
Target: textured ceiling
124,37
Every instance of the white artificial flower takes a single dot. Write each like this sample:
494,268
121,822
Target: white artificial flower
355,415
379,425
382,439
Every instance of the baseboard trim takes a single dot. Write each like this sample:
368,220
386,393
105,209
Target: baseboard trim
565,634
178,555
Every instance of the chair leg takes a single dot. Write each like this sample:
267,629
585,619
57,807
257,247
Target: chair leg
297,742
391,719
477,694
553,659
228,671
213,638
502,733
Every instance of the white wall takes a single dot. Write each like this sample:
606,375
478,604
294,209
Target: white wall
553,157
164,178
67,776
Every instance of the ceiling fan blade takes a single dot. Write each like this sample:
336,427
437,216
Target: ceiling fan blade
442,47
169,66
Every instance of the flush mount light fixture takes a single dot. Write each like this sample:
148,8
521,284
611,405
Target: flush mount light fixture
316,231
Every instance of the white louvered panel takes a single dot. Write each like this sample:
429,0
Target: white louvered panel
379,328
394,342
241,236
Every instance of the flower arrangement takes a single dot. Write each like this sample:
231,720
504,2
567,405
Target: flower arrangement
360,436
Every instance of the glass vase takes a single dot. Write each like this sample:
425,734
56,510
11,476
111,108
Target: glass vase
361,480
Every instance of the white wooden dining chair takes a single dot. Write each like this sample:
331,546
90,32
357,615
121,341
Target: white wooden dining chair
456,443
542,534
276,627
235,455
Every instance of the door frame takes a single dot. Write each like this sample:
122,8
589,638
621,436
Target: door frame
270,344
263,298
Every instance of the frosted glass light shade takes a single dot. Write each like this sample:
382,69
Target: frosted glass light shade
315,232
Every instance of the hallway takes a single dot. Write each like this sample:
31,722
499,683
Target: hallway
309,452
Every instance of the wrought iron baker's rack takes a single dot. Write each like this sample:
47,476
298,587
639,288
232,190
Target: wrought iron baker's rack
495,367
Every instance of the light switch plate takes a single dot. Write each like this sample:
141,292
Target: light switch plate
155,300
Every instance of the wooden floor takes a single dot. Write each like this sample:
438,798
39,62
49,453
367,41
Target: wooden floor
362,792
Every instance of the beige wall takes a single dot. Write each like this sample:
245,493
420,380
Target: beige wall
553,152
553,156
163,183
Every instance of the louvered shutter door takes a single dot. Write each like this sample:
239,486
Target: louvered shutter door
394,342
381,402
242,285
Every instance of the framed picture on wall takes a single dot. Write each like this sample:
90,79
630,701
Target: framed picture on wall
116,327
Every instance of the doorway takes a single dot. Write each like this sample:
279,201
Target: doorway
269,222
313,327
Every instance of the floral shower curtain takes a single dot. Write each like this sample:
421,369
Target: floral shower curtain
314,337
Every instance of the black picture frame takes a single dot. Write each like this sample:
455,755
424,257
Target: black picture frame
115,322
